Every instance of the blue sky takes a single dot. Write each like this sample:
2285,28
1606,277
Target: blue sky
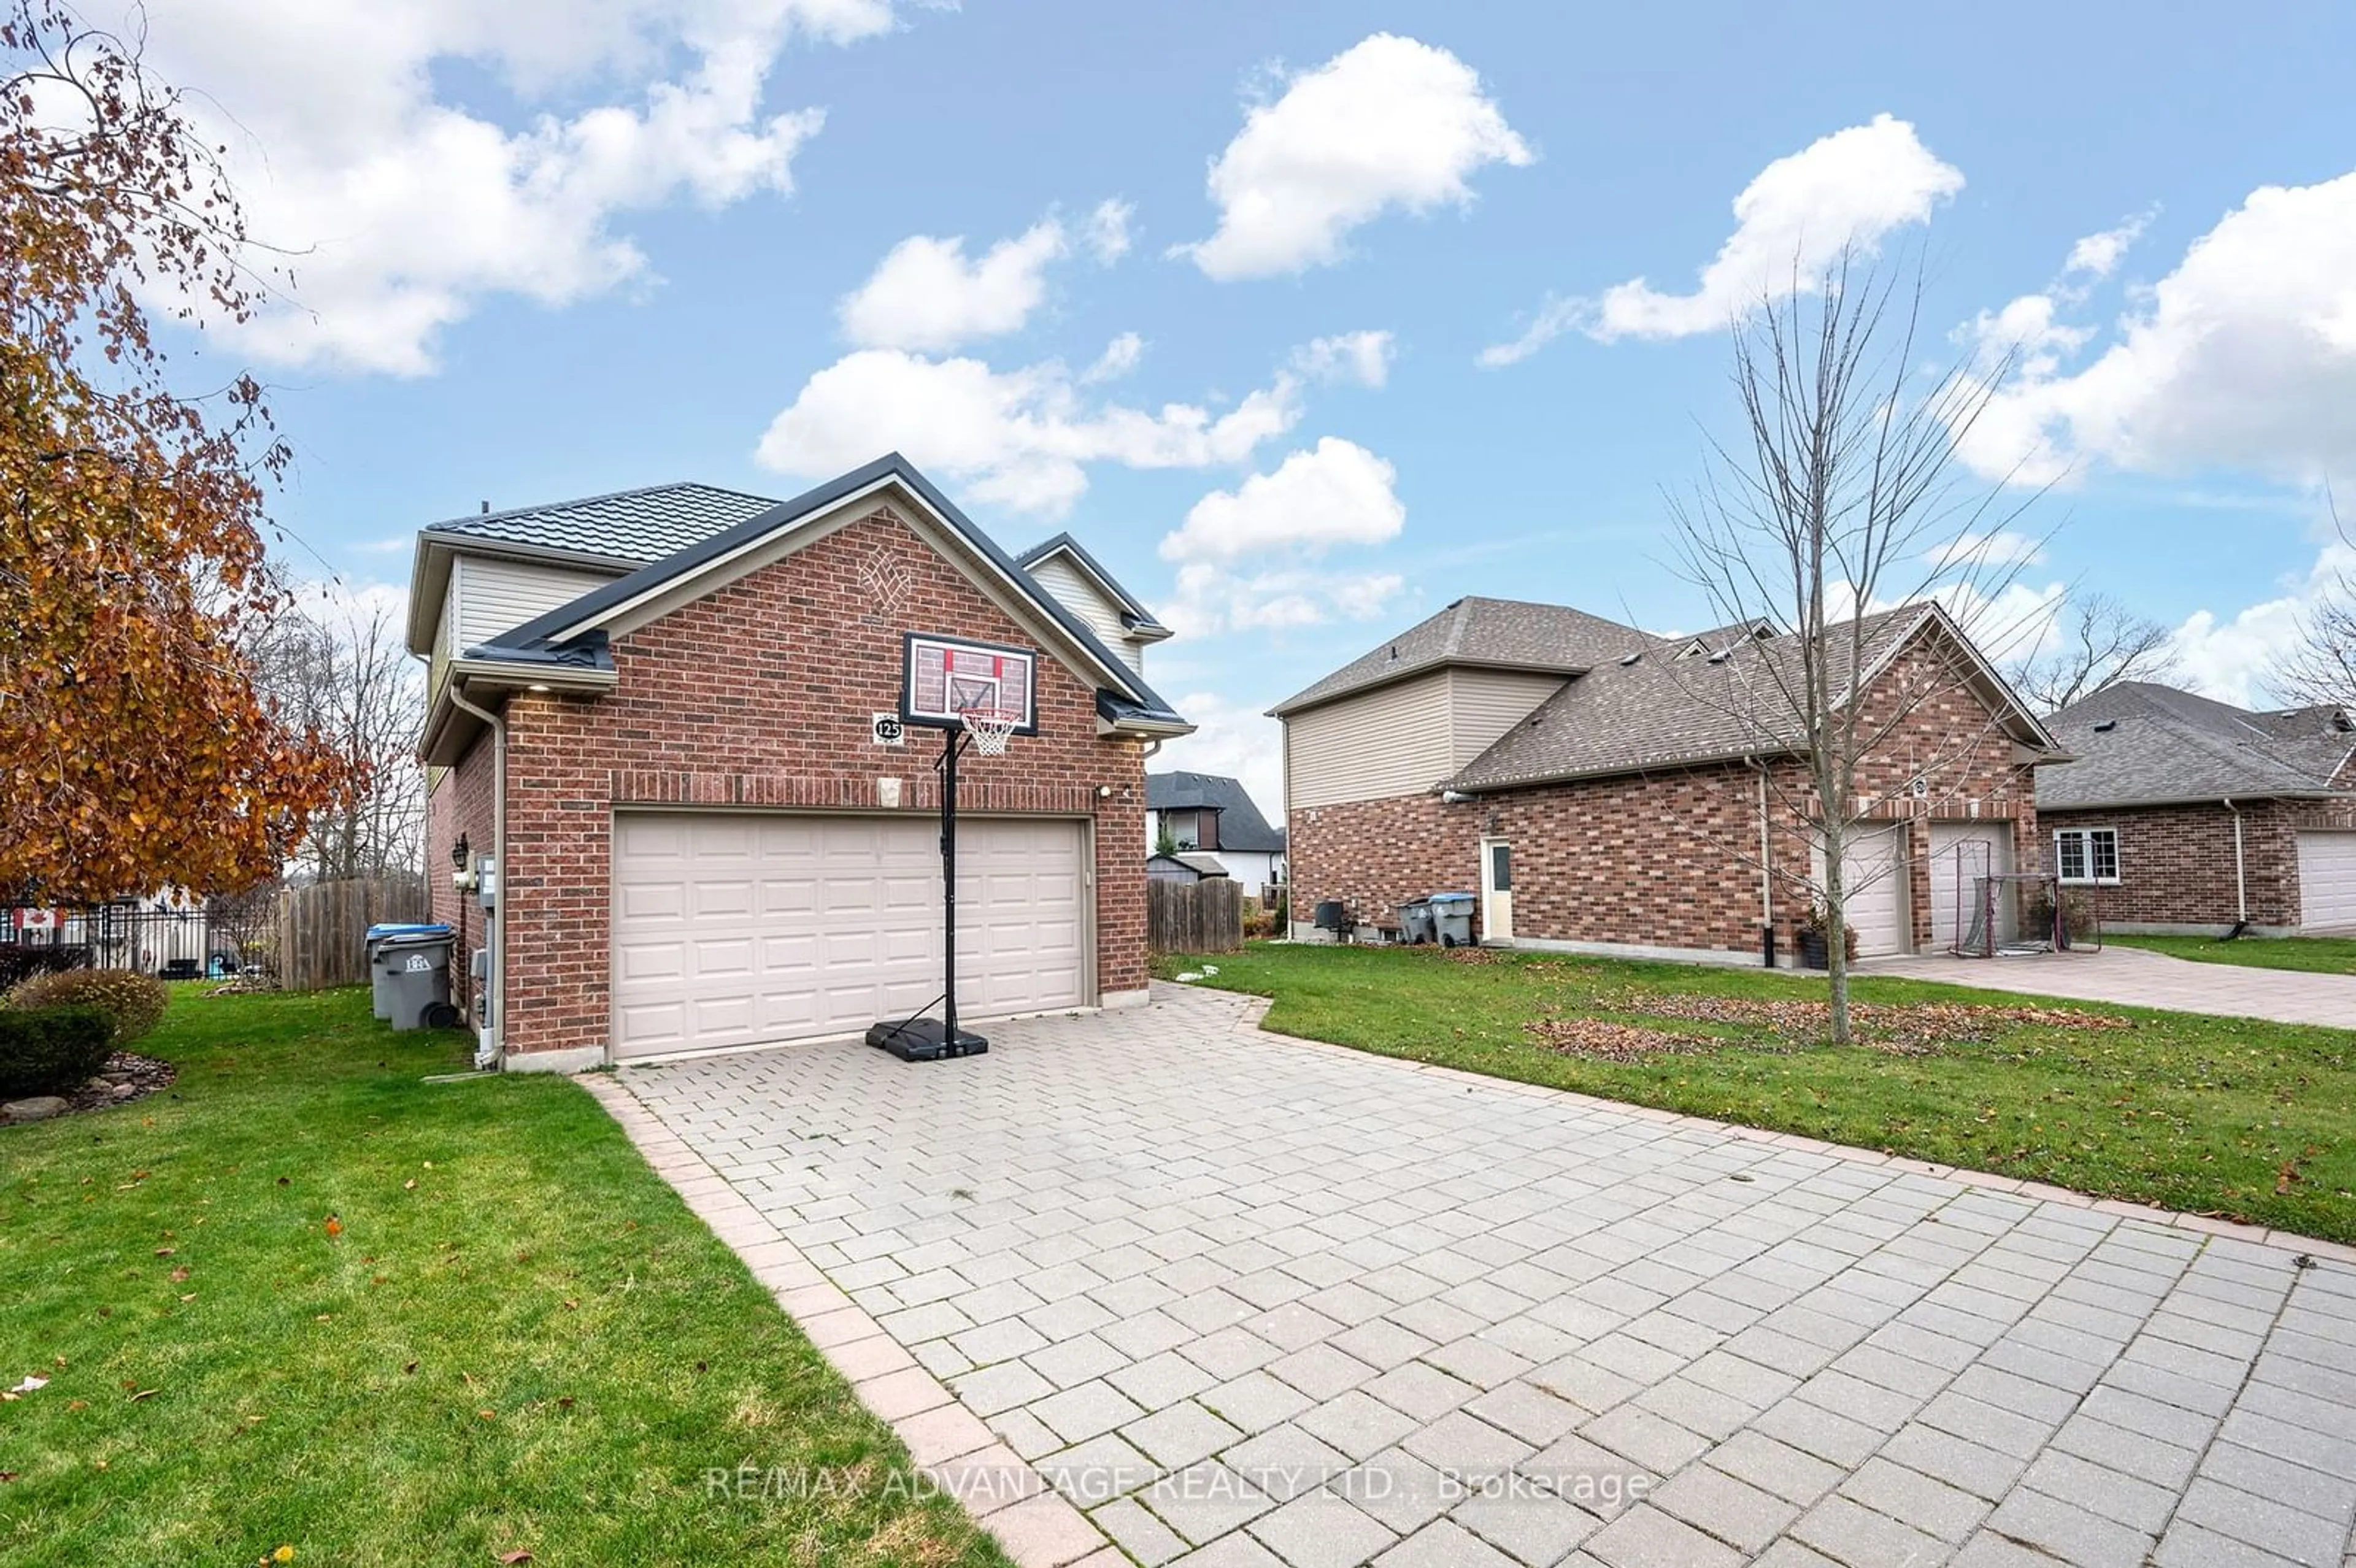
563,249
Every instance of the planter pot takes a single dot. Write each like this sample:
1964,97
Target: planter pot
1815,952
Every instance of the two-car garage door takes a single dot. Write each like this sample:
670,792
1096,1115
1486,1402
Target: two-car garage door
737,928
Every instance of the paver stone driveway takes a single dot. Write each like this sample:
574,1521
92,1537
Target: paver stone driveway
1250,1301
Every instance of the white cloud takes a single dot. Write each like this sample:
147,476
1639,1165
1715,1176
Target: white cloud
925,292
1208,598
1361,357
1389,123
1106,233
2098,255
1985,552
2242,358
403,211
1232,741
1121,356
1337,493
1018,438
2231,658
1849,190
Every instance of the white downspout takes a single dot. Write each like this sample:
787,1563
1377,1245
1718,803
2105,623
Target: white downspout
2241,880
498,920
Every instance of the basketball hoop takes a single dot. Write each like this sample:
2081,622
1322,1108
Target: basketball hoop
990,728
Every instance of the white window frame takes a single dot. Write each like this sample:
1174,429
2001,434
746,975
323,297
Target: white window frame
2086,839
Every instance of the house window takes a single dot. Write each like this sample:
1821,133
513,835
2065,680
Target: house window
2087,855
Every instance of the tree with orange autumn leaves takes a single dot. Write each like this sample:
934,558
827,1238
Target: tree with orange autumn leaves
134,582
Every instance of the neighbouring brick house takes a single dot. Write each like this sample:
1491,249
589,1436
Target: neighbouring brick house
1603,789
706,840
2180,813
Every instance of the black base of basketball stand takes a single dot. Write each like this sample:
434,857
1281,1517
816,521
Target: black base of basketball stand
929,1039
924,1040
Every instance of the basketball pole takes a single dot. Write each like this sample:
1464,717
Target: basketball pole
950,747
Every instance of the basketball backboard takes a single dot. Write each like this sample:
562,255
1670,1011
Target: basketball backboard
946,677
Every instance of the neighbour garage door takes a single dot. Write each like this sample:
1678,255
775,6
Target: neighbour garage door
742,929
1961,854
2326,880
1873,883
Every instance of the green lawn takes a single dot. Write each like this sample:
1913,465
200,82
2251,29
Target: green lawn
2254,1122
2317,955
520,1341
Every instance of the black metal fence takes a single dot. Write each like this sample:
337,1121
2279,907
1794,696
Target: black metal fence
175,942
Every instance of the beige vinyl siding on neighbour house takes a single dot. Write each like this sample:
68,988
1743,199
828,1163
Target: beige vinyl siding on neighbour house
1404,739
1075,592
1485,703
1390,741
489,596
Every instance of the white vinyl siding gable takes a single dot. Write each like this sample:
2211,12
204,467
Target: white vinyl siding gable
490,596
1064,582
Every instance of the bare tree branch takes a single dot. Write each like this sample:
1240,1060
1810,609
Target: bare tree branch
2105,643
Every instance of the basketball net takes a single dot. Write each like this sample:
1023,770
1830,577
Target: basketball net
990,728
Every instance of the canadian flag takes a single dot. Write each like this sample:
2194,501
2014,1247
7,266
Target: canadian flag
36,920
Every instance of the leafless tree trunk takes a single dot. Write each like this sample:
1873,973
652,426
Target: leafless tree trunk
342,669
2106,643
1839,497
2321,667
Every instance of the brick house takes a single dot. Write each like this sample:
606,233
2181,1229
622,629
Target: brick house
657,711
2182,814
1601,789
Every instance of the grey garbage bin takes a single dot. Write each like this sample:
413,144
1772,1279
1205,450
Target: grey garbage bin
416,967
380,974
1414,921
1452,914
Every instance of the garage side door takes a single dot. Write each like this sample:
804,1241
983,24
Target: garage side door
2326,880
1874,885
735,929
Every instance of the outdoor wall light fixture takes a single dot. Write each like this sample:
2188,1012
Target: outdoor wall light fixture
458,853
1104,791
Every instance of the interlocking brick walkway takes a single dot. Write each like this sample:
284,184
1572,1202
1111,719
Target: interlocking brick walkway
1251,1301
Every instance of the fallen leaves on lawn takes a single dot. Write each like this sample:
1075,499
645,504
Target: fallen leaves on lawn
1608,1042
1903,1028
512,1558
334,1226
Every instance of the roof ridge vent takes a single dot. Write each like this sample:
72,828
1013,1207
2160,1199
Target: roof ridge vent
1627,659
1722,654
2104,726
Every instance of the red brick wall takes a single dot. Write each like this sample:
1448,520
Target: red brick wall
1671,859
2176,862
759,695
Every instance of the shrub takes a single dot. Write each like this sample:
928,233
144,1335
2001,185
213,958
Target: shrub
51,1050
19,964
133,1004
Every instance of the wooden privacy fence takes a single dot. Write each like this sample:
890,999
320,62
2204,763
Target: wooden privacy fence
1195,917
322,928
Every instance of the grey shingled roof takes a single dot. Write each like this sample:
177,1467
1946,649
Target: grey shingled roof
536,638
1241,826
637,526
2139,743
1663,711
1497,633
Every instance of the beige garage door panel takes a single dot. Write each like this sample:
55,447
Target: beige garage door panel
2326,880
1873,885
1961,853
739,930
